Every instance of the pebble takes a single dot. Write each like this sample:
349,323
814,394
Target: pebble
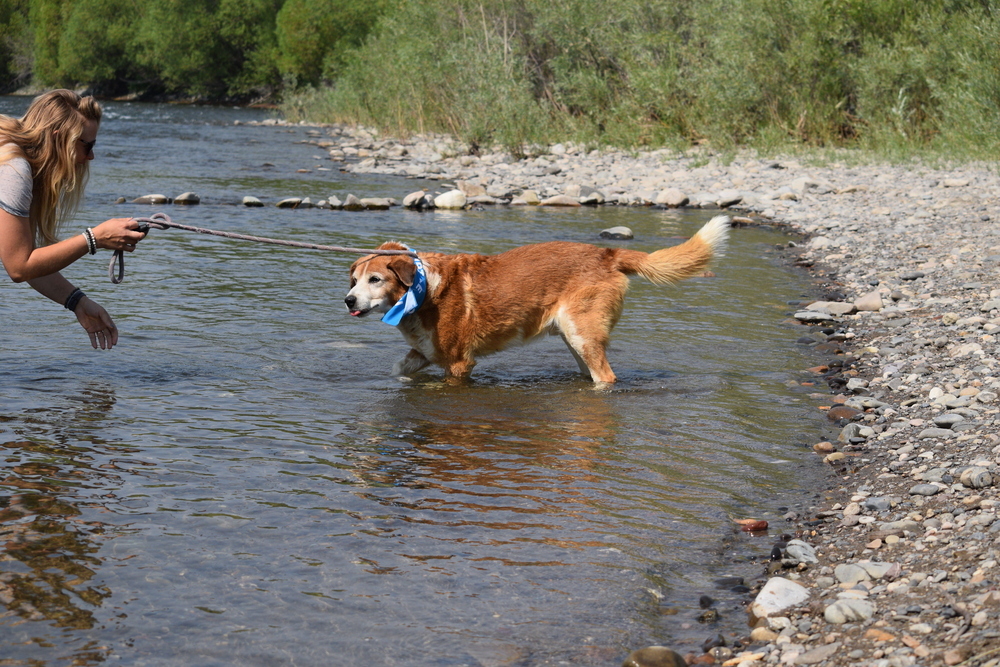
848,611
817,655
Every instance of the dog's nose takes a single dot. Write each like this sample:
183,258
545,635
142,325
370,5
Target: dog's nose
350,300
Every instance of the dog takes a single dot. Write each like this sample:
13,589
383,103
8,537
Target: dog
452,309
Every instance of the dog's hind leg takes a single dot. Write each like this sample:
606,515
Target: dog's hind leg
585,322
588,346
410,364
576,355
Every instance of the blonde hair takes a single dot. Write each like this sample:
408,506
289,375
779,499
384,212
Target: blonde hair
46,135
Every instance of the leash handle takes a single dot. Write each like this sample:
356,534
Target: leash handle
116,268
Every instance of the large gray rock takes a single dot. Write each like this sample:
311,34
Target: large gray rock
152,199
671,197
453,199
560,200
777,595
847,573
976,477
801,551
848,611
871,302
187,199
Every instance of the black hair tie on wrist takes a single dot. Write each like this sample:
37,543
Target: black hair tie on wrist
73,299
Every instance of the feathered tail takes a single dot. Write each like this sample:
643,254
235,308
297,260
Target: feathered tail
687,260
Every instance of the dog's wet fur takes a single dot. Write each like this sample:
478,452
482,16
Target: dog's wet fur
480,304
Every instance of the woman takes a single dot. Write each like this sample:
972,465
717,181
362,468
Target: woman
43,170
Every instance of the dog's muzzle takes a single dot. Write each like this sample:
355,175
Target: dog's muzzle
352,305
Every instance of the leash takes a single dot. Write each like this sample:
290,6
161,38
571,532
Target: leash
116,269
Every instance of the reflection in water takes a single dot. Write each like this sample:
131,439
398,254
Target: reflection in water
496,459
51,486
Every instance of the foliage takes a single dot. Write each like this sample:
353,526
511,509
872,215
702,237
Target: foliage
723,72
314,35
100,49
15,44
214,49
889,75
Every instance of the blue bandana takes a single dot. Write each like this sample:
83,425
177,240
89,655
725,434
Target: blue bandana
412,300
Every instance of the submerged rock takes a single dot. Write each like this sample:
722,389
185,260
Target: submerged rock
617,233
152,199
654,656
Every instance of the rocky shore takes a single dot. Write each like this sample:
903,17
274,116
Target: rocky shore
899,564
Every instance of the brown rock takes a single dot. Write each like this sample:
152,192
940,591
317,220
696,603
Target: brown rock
471,189
869,302
560,200
879,635
953,656
657,656
839,412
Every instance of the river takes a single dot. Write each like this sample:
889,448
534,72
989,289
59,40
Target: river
241,481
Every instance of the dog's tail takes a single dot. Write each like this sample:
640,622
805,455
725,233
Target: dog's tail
687,260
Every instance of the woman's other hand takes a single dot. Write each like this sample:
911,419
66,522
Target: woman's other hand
118,234
97,323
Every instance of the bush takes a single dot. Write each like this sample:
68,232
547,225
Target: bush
723,72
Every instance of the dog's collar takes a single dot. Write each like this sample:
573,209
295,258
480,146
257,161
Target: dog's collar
413,298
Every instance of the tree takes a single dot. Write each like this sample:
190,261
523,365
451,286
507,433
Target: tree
314,36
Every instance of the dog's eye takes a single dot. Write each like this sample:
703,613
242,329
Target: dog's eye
374,279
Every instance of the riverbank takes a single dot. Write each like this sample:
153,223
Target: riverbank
898,565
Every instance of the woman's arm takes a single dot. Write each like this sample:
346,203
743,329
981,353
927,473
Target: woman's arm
23,261
91,315
40,268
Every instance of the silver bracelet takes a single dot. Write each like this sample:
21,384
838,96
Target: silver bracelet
91,240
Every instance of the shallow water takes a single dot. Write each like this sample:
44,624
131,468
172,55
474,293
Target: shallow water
240,480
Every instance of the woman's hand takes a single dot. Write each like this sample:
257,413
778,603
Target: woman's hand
98,324
118,234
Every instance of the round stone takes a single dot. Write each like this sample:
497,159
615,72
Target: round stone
654,656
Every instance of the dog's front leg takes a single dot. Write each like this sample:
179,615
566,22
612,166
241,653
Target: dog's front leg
410,364
458,372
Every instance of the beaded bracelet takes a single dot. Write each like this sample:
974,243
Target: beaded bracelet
88,233
73,299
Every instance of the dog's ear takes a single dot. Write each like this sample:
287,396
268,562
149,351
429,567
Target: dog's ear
404,268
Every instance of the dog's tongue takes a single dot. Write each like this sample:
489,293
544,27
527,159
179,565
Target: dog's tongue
355,313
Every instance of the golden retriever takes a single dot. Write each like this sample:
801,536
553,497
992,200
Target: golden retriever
479,304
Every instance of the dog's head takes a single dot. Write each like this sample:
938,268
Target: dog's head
379,281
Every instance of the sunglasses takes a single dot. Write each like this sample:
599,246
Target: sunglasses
88,145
